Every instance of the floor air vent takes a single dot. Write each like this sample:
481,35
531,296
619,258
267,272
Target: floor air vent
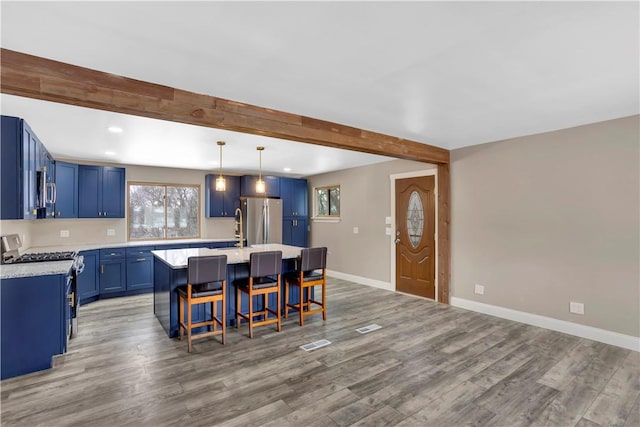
314,345
368,328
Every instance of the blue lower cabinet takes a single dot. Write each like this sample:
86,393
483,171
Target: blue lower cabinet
140,272
34,317
112,271
89,279
294,232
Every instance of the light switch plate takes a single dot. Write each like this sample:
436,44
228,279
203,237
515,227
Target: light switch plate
387,220
355,230
387,231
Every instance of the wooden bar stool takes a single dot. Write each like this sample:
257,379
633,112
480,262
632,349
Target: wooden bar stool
312,272
264,279
206,283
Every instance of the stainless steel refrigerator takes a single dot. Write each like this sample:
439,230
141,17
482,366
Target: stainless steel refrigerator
262,220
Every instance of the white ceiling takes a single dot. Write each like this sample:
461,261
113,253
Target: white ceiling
450,74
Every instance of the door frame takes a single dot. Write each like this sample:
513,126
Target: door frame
392,245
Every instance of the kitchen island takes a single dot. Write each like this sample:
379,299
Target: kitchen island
170,271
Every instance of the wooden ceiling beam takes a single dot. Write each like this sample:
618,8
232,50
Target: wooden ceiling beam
35,77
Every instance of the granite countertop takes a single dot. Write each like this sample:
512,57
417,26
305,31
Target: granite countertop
92,246
177,258
14,271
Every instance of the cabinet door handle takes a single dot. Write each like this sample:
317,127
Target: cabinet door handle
141,259
101,268
99,213
72,297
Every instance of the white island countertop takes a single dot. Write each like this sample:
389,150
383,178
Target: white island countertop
177,258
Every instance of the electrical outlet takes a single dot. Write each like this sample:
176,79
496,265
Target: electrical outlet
478,289
355,230
387,220
387,231
576,307
111,232
64,233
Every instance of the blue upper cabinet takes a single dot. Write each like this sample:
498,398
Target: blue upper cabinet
101,192
221,203
66,205
248,186
21,158
294,196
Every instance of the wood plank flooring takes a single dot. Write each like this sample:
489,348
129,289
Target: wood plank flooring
430,365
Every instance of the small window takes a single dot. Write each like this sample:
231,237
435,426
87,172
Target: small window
163,211
327,202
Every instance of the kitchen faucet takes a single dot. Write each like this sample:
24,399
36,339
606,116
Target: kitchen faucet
238,214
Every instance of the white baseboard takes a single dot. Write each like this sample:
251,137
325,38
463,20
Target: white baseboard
620,340
361,280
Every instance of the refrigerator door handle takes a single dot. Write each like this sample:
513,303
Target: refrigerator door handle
267,228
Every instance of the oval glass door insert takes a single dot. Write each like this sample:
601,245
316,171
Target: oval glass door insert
415,219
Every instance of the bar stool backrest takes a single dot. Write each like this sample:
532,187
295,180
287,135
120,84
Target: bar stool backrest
265,263
313,259
206,269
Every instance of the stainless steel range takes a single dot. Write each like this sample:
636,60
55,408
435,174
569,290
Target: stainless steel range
11,246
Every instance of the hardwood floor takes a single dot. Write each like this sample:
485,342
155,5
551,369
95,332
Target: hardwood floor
430,365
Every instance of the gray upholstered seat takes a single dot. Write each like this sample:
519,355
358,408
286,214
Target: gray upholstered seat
311,272
264,279
206,283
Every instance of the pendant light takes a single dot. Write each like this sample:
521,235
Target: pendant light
220,182
260,187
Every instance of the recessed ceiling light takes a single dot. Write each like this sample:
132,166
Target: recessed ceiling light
110,153
287,169
114,129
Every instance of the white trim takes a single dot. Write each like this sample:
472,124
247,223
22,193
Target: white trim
392,245
596,334
325,219
361,280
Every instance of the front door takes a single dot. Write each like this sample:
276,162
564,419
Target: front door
415,236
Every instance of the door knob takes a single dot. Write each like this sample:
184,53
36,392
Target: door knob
397,241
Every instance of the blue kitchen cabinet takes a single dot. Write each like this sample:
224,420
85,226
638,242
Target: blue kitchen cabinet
18,157
101,192
66,205
112,271
294,232
34,323
221,203
89,279
295,200
294,195
139,269
248,186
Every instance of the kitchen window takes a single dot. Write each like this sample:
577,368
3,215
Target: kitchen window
163,211
327,202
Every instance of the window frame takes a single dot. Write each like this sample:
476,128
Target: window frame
326,218
198,187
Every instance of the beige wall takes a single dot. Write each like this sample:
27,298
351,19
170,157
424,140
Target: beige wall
547,219
365,201
46,232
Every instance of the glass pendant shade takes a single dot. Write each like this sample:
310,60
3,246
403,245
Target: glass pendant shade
220,182
261,188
